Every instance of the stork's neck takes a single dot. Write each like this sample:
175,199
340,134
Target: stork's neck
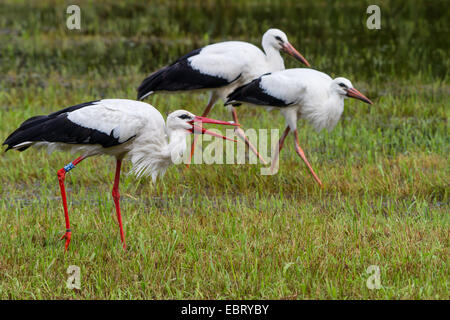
273,58
325,114
177,145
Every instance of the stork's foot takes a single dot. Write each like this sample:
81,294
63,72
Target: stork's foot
66,236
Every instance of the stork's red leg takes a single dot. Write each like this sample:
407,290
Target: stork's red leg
241,135
61,177
116,197
211,102
279,147
300,152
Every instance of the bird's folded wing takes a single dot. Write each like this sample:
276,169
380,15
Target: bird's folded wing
107,119
192,72
267,90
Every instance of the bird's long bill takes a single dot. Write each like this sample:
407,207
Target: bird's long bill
288,48
208,120
200,130
353,93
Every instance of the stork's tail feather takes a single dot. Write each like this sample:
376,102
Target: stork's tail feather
150,84
235,96
24,136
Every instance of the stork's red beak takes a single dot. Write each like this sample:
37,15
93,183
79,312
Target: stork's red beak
353,93
288,48
200,130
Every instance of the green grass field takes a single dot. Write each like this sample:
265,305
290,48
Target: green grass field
225,231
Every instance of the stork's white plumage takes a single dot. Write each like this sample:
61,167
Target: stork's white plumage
221,68
306,93
115,127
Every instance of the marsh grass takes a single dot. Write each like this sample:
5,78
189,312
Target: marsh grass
227,232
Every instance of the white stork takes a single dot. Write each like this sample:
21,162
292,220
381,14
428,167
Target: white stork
115,127
305,93
221,68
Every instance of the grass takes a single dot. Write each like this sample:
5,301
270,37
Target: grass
226,232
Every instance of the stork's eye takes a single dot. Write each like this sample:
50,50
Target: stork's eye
342,85
185,116
279,38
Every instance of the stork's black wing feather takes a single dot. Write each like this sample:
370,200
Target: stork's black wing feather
56,127
253,93
180,76
33,121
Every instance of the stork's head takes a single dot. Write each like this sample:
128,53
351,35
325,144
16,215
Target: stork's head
278,40
345,88
184,121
